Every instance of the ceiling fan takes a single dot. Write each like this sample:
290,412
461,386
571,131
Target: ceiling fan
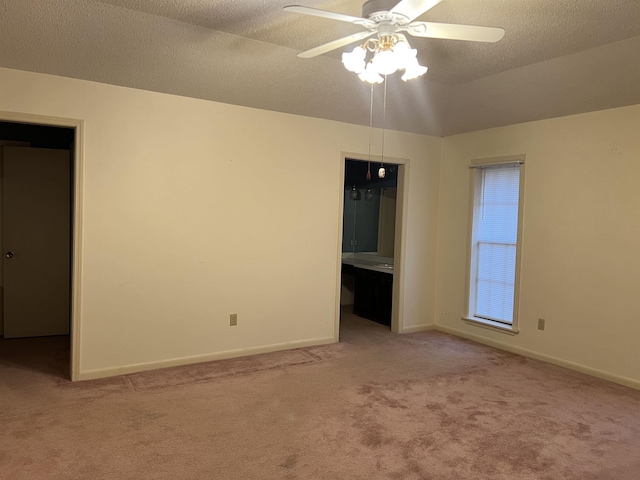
388,19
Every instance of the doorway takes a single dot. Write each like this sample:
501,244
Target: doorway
370,262
38,216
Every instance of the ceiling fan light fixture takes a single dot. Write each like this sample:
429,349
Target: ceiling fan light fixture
390,53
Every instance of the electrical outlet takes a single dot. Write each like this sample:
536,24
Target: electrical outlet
541,324
233,319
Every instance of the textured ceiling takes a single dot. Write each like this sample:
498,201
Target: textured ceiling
557,57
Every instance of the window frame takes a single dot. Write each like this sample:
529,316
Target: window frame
475,168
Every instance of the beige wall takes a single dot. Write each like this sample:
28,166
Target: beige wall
581,239
193,210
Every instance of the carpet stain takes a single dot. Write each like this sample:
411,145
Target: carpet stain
21,435
583,432
455,398
376,395
426,443
372,432
290,462
142,418
373,436
473,416
411,471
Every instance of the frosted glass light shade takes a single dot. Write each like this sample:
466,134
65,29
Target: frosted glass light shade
414,71
370,75
385,62
354,60
405,56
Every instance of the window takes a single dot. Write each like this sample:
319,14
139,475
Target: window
494,247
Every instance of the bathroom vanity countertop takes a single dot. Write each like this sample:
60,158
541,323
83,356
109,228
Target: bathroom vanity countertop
369,262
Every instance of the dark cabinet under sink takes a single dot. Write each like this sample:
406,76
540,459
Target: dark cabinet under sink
373,292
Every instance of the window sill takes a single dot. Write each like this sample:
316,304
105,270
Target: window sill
490,325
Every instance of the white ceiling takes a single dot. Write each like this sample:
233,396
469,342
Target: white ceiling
558,57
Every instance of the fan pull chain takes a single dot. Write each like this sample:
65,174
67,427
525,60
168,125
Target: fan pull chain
370,127
381,171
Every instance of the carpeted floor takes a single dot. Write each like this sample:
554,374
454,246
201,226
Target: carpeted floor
375,406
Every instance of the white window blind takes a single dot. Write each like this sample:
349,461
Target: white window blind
496,218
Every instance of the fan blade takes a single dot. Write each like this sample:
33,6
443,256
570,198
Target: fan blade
341,42
451,31
413,8
316,12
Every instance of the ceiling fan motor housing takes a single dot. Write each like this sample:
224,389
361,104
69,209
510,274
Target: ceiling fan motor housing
378,10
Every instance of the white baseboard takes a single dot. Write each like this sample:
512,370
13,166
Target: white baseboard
208,357
626,381
419,328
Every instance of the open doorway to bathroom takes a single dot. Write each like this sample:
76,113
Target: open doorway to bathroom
369,219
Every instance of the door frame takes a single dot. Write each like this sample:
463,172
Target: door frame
402,199
76,221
